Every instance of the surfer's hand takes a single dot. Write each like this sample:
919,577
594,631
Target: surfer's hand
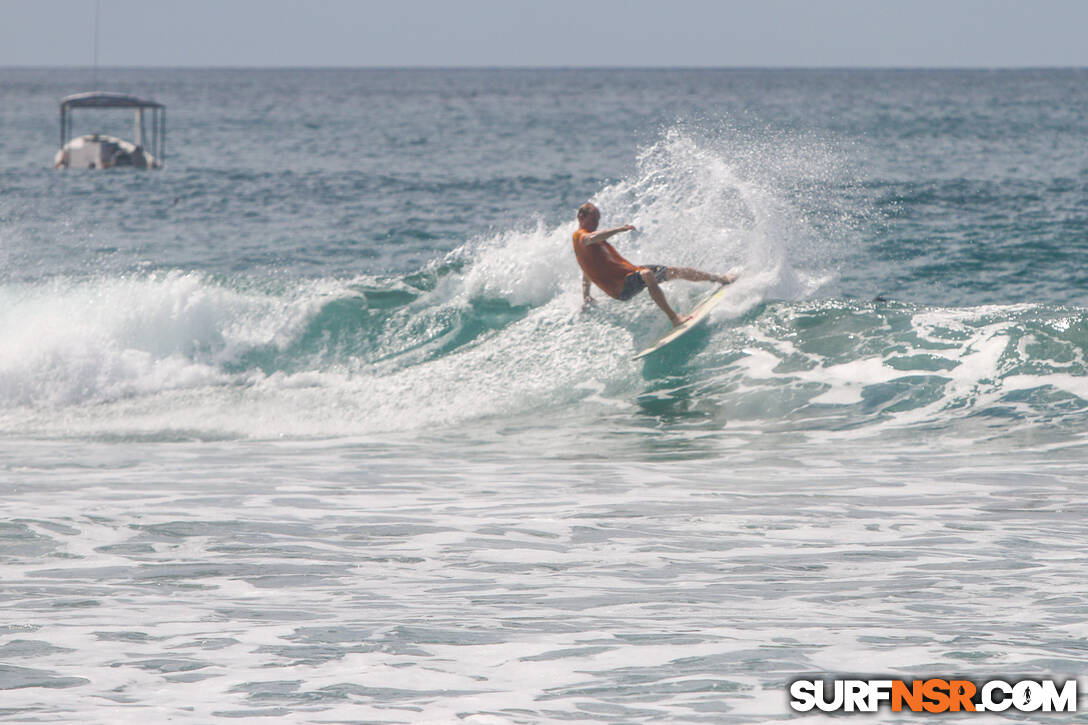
627,228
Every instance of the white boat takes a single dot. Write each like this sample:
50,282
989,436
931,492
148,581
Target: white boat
99,151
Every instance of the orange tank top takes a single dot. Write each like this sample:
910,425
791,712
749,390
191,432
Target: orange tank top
602,264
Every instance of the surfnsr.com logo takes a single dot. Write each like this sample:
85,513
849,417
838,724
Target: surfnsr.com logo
933,695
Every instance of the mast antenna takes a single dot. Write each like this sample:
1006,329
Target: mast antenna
97,8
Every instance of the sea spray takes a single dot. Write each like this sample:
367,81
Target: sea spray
494,330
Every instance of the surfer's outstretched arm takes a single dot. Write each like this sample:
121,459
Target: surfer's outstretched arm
603,234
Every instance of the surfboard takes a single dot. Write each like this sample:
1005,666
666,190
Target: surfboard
697,315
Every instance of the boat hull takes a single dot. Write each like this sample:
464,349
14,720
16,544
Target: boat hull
97,151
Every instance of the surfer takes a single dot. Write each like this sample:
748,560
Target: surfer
603,266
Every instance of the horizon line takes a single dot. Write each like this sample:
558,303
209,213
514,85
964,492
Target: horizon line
983,68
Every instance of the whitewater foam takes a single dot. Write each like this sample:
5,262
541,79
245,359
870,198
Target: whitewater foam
495,331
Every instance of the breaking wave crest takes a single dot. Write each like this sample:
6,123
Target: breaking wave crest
495,331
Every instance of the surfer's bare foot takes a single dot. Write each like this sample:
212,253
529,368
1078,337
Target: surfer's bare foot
725,278
680,319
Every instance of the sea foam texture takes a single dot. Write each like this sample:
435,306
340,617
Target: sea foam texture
495,330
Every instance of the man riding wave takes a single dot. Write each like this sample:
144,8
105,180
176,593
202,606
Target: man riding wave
603,266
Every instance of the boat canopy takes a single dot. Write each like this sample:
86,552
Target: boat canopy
102,99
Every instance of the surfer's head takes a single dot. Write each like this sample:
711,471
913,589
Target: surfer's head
589,216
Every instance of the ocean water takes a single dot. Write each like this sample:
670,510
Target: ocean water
309,426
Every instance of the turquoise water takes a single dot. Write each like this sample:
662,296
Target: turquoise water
310,425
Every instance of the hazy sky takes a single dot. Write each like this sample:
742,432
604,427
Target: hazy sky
948,33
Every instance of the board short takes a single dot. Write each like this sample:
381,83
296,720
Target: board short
633,283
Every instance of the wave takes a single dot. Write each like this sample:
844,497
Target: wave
328,357
494,332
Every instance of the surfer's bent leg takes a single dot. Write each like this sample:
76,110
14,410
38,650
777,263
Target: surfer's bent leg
634,283
650,278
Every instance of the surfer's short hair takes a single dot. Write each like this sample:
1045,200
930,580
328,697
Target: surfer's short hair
588,209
